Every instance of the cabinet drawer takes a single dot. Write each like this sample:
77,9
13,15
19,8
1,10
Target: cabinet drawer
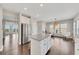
43,50
43,45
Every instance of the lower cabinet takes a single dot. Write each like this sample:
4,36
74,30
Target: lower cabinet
45,45
76,46
40,47
77,49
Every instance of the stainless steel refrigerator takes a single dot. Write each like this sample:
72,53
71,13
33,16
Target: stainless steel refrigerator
24,33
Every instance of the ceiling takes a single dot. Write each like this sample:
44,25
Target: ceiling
47,12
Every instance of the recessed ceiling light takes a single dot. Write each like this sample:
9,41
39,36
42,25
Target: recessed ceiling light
41,5
25,8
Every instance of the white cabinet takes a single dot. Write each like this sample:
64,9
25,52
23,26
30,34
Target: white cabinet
43,46
49,43
77,49
40,47
77,46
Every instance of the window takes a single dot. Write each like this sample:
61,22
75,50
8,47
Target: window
57,28
74,28
51,28
77,27
10,27
63,28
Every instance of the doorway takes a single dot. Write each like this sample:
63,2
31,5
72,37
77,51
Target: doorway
10,35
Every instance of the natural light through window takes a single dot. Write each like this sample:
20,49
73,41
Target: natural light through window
63,28
77,27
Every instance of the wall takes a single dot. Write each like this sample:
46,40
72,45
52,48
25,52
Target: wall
48,27
43,26
1,29
38,27
34,27
9,15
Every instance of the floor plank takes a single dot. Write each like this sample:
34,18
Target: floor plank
11,47
61,47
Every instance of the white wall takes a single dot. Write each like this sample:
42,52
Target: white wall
48,27
1,29
34,27
9,15
43,26
38,27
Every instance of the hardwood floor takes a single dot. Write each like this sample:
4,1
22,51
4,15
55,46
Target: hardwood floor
61,47
19,50
11,47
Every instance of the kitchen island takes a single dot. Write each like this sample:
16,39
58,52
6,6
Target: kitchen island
40,44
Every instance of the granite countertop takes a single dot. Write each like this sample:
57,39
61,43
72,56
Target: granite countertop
40,37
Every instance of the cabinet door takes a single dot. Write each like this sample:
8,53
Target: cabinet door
46,44
49,43
43,45
77,46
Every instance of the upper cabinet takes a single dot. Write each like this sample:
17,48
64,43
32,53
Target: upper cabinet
24,19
